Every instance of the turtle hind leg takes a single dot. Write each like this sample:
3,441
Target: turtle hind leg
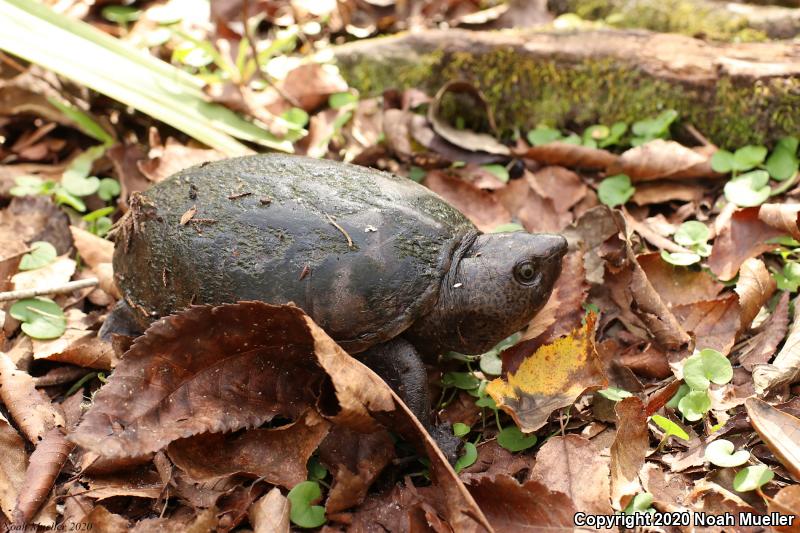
399,364
121,321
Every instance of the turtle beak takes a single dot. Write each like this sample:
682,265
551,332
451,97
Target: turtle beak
550,248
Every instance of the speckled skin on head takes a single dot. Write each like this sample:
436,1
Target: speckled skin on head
371,257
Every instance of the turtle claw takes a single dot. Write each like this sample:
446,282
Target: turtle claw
449,444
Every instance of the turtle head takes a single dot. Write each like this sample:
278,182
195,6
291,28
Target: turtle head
492,290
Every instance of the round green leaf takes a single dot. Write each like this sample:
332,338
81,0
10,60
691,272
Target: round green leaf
618,129
670,427
498,170
694,405
691,233
62,196
41,318
460,380
302,513
598,132
615,190
30,186
460,429
707,366
720,452
468,458
573,138
514,440
683,390
42,253
752,477
782,164
486,401
748,157
338,100
108,189
491,364
121,14
680,258
614,394
80,186
748,190
722,161
543,135
316,470
296,116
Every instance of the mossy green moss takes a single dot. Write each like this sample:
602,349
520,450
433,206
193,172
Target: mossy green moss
525,90
688,17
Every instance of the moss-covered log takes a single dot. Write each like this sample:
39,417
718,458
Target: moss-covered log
733,93
707,18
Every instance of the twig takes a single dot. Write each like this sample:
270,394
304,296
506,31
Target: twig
261,74
337,226
61,289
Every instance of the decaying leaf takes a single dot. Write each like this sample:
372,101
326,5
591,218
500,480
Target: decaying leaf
549,378
755,287
658,159
780,431
569,155
13,462
787,502
29,408
259,452
786,366
628,451
270,514
530,506
483,209
573,465
215,369
678,285
784,217
760,348
744,236
45,463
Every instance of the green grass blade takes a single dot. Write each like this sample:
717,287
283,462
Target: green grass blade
112,67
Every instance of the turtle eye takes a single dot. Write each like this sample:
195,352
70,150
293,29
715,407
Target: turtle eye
525,272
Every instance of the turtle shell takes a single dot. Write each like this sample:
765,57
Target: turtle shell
361,251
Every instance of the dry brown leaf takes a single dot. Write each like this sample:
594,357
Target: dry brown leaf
35,218
761,347
574,466
463,138
33,412
188,215
787,502
77,345
481,207
678,285
569,155
13,462
785,369
667,191
260,452
754,287
564,310
311,84
564,187
93,250
140,483
200,521
275,362
529,507
647,361
744,236
780,432
628,451
657,159
784,217
125,158
548,377
270,513
535,212
396,124
355,460
45,463
713,323
163,161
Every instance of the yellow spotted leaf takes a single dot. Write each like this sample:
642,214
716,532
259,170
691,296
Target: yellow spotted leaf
549,378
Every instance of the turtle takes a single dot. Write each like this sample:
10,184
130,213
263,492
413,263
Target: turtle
392,272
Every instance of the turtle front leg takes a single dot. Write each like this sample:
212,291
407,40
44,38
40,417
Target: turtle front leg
399,364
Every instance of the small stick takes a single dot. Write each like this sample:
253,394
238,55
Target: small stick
61,289
337,226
